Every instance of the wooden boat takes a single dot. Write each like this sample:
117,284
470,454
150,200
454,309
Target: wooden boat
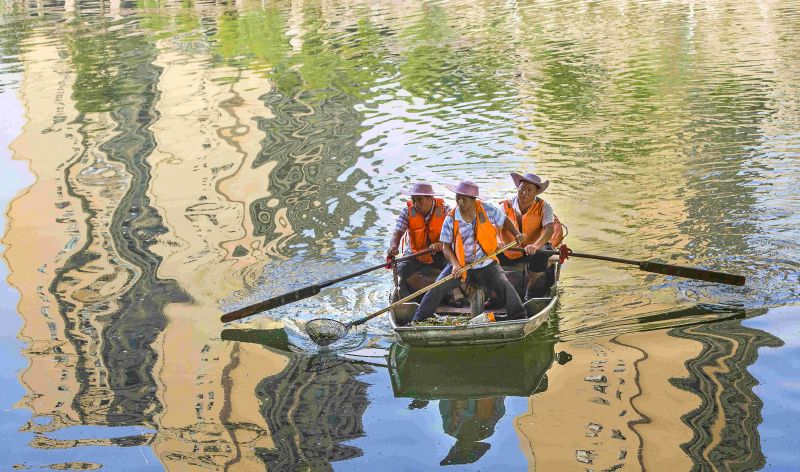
537,310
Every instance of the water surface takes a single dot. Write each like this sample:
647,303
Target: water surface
165,162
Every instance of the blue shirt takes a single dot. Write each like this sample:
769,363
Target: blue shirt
472,250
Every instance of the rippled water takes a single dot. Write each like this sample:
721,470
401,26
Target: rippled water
165,162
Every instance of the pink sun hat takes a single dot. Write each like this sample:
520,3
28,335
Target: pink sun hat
420,189
530,178
465,187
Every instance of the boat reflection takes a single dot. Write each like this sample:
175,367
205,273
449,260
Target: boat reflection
471,385
451,373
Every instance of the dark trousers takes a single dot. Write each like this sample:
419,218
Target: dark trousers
490,278
410,267
537,262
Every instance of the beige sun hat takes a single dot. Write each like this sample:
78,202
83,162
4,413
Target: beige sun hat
421,189
530,178
465,187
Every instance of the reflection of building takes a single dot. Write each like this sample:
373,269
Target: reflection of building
656,400
135,314
203,182
95,305
212,418
725,425
312,140
78,286
583,418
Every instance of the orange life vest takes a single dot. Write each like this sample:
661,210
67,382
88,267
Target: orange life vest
422,234
485,234
531,226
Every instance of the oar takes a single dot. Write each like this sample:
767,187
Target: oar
324,331
304,292
660,268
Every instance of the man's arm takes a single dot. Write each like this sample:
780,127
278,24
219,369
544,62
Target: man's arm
539,243
400,228
548,227
394,244
509,226
446,237
451,257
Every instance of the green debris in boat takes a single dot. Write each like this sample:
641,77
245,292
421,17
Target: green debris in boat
442,321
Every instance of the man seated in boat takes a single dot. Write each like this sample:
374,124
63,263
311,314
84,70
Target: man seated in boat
535,218
469,233
418,227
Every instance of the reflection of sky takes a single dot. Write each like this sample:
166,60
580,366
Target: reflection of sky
778,375
14,177
414,439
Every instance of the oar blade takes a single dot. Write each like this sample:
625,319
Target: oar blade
692,273
274,302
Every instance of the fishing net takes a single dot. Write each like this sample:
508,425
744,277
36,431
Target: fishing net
323,331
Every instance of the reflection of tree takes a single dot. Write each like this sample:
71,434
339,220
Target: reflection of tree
15,27
254,39
93,53
722,131
313,407
725,425
441,65
314,135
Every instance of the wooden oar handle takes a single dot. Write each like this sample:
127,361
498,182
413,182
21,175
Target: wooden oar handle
431,286
274,302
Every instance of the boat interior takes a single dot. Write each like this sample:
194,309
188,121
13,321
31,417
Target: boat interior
469,301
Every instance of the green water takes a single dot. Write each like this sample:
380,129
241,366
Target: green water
165,162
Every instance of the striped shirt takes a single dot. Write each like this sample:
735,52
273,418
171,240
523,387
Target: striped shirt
472,250
402,223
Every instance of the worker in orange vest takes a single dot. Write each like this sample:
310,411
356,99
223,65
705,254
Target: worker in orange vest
535,218
418,227
469,233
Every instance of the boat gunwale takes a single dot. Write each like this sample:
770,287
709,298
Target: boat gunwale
497,325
